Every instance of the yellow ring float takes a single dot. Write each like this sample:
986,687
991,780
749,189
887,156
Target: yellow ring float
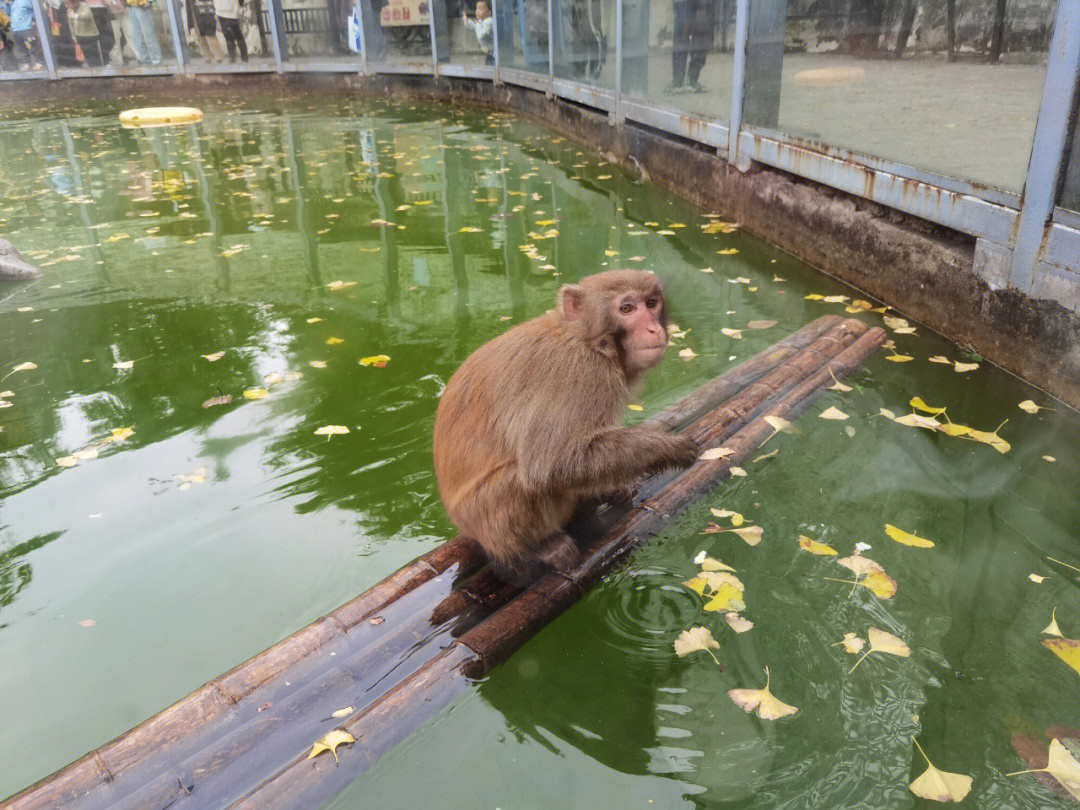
160,116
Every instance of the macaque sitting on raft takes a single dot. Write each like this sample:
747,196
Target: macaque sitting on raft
529,426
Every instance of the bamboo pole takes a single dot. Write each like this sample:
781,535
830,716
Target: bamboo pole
392,717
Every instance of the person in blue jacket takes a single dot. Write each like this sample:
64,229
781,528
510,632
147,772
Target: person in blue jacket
24,34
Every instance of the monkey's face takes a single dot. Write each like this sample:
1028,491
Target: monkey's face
640,329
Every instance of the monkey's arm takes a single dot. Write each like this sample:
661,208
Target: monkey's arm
608,458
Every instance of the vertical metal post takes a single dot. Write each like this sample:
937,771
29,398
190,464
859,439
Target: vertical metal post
277,31
174,26
43,35
363,36
551,40
1049,146
432,6
495,11
618,60
738,79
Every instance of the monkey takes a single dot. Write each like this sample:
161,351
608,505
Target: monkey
528,427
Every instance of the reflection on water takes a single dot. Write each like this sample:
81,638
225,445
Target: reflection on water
296,239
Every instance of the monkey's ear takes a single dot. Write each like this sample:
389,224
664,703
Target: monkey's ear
572,302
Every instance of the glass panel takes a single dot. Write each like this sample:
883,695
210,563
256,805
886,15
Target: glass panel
680,53
523,34
1070,197
93,33
213,38
952,87
316,30
400,31
585,40
19,37
470,38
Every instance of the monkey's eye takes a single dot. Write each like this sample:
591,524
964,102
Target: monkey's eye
626,308
651,303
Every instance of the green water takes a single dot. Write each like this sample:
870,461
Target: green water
210,533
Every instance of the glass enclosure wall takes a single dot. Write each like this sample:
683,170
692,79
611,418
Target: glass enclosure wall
584,41
523,34
952,87
680,54
398,32
100,34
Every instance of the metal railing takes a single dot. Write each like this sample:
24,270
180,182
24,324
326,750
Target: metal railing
1023,239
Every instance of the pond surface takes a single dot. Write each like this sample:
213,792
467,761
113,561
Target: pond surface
297,238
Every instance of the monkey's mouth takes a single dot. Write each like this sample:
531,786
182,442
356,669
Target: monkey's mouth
650,351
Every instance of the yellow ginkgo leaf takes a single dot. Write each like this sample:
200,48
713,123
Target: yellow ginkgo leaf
953,429
1051,459
851,643
707,563
1029,406
901,536
738,472
340,285
86,453
1036,578
739,624
694,640
726,598
715,580
67,461
870,575
814,297
470,229
1052,629
213,357
635,407
962,367
939,786
696,584
918,420
124,364
317,363
1061,765
21,367
767,705
343,712
814,547
334,341
835,299
937,358
256,393
734,334
727,252
992,439
764,456
314,320
751,534
899,358
331,430
736,518
715,453
895,323
330,742
883,642
688,354
917,402
375,361
886,413
834,414
1067,649
120,434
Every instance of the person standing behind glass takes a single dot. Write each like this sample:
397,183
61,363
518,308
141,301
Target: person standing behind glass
484,28
23,35
144,39
84,31
695,24
228,14
103,21
201,20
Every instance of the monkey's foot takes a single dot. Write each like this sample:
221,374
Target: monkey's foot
560,552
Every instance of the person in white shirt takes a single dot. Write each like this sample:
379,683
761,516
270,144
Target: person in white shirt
484,27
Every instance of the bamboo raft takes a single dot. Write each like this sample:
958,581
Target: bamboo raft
406,647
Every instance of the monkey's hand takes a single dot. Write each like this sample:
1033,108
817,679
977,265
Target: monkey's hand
675,451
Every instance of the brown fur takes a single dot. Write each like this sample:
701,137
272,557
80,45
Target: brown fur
528,426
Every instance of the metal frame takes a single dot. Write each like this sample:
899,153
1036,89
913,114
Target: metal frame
1025,234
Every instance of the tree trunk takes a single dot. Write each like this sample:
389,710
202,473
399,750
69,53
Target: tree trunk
907,22
997,39
950,28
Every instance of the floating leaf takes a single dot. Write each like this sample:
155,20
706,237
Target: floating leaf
256,393
317,363
734,334
314,320
839,386
835,299
634,407
124,364
736,518
1051,459
86,453
273,378
375,361
883,642
901,536
726,597
694,640
814,297
852,644
886,413
470,229
764,456
899,358
1052,629
1061,765
705,270
833,413
992,439
213,357
768,707
761,324
953,429
895,323
962,367
331,430
334,341
740,624
67,461
707,563
869,575
937,358
1067,649
738,472
340,285
696,584
814,547
688,354
751,534
120,434
715,453
330,742
226,399
343,712
727,252
917,402
1036,578
918,420
939,786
